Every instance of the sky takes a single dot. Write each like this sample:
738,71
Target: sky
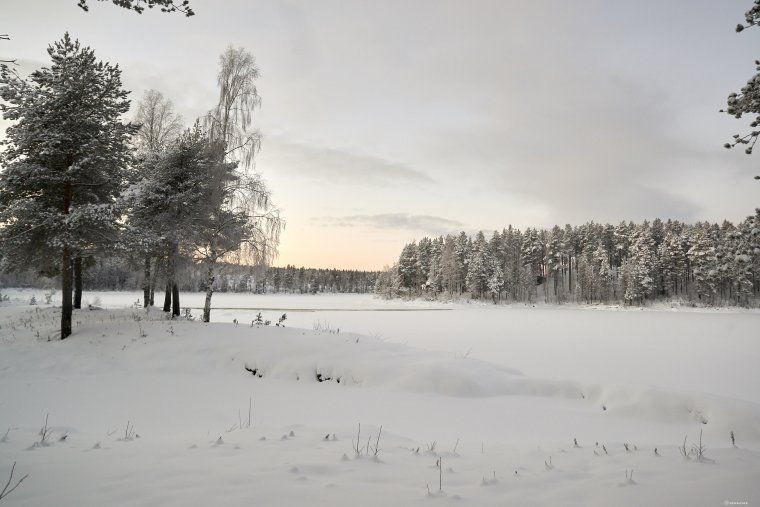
384,122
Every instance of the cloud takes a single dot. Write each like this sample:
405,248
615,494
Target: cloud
399,221
335,166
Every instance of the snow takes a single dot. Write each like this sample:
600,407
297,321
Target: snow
514,385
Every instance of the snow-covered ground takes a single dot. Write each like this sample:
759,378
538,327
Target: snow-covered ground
495,393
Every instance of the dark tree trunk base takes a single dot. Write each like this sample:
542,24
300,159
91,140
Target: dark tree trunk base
77,282
66,293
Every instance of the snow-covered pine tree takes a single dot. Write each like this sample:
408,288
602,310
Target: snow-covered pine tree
532,254
388,282
553,262
449,265
139,6
477,266
64,161
569,251
424,259
643,262
512,240
175,198
672,258
604,273
434,280
495,283
408,267
704,263
462,254
747,101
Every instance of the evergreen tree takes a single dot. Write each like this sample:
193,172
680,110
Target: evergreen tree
704,264
408,267
65,156
477,266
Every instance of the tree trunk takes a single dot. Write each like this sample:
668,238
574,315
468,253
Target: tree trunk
168,296
173,270
170,283
175,300
209,292
66,288
78,282
146,282
153,280
66,293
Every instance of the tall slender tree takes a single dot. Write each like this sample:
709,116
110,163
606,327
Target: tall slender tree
244,220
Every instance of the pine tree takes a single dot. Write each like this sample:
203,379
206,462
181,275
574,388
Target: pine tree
477,266
424,259
408,267
553,262
641,276
704,264
462,254
64,163
449,265
139,6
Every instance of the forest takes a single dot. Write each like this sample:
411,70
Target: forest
116,273
629,263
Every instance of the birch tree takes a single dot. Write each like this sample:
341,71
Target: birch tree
245,225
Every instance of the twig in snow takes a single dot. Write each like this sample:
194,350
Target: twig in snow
129,432
5,492
376,450
45,432
440,474
356,444
682,449
699,450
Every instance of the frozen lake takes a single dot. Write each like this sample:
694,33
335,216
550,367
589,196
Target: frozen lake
708,351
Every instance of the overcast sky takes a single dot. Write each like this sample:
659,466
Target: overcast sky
387,121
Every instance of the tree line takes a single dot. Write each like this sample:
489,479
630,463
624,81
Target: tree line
120,274
593,263
80,182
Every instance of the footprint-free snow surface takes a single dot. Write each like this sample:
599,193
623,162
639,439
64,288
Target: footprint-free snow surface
141,410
